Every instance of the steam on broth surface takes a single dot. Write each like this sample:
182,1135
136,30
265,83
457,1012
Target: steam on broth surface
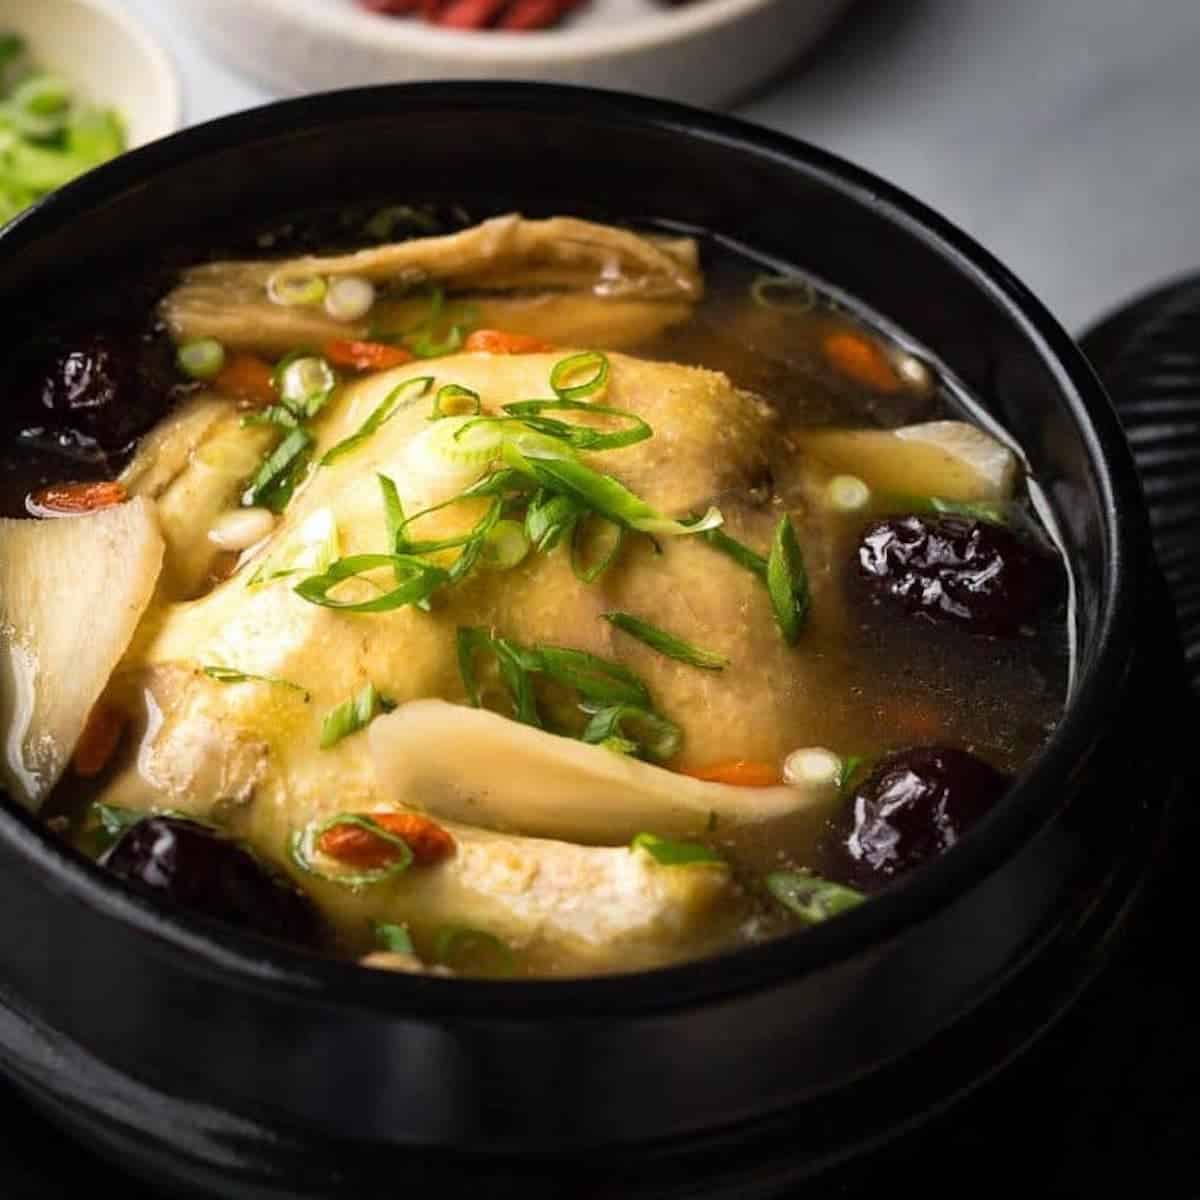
522,598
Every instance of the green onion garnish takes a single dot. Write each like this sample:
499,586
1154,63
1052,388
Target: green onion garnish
787,582
604,494
595,544
277,478
296,291
666,643
850,768
811,898
517,668
393,513
312,546
461,947
304,383
580,375
504,546
352,715
453,400
304,844
788,293
548,518
994,512
417,579
657,738
401,396
580,437
676,854
38,107
394,938
596,679
114,821
201,358
741,554
229,675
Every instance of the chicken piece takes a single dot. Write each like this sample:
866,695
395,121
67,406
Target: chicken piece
577,282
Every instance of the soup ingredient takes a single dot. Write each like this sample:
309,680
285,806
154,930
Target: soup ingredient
205,871
813,765
974,574
667,643
561,280
913,806
349,298
787,581
100,386
862,360
737,773
99,740
72,499
246,377
473,765
811,898
366,356
847,493
496,341
95,573
358,845
47,136
473,951
950,459
240,528
353,715
677,854
202,358
233,675
516,16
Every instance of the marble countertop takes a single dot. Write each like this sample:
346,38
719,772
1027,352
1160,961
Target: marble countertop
1062,134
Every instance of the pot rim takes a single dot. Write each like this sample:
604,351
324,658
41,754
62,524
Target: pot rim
197,944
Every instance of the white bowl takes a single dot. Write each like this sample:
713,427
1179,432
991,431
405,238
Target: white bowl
105,55
705,52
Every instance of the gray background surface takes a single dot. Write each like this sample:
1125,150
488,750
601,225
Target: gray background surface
1063,134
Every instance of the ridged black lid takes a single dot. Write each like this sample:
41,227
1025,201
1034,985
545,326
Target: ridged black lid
1148,355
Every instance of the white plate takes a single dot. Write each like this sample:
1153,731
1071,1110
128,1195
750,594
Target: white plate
705,52
105,55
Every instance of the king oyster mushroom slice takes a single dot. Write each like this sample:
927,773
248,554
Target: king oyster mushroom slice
471,765
72,591
574,281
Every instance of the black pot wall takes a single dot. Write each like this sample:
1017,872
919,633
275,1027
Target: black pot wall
320,1051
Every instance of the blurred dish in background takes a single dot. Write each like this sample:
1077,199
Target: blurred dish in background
79,82
701,51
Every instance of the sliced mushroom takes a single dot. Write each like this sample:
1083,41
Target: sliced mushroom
465,764
72,591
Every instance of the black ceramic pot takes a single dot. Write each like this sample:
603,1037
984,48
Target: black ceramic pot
199,1056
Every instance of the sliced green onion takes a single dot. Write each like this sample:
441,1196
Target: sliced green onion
303,846
656,737
787,293
676,854
273,414
595,544
39,106
349,298
548,518
741,554
580,437
461,947
456,444
517,668
504,546
312,546
401,396
115,820
417,580
666,643
811,898
994,512
813,766
605,495
305,383
393,514
847,493
352,715
296,291
454,400
787,582
277,478
469,642
230,675
393,938
851,765
427,345
565,376
596,679
201,358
